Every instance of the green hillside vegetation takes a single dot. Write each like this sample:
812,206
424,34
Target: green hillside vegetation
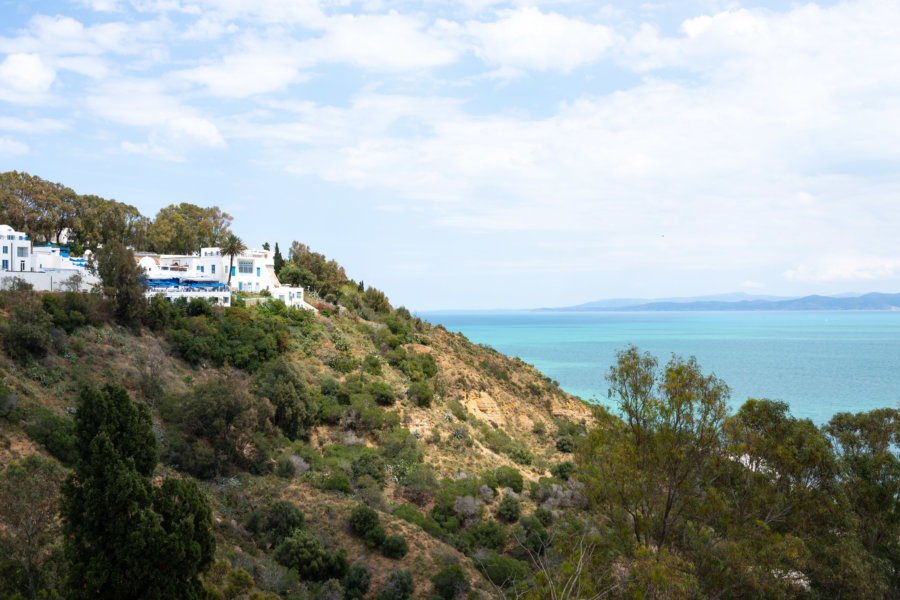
185,450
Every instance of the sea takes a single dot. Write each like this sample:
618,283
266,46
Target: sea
820,363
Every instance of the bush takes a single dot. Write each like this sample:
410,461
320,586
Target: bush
375,537
283,519
55,433
503,571
394,546
450,582
565,444
399,586
419,485
381,392
363,519
337,482
372,365
356,582
520,454
303,552
420,393
28,333
487,534
563,470
509,509
371,465
511,478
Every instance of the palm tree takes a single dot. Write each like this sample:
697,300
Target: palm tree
232,247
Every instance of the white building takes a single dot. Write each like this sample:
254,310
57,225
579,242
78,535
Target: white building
44,267
15,250
252,271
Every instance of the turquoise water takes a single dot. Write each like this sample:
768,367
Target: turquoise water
820,363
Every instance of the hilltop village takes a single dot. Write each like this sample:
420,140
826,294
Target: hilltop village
206,274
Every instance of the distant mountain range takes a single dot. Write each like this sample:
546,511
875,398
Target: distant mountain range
741,301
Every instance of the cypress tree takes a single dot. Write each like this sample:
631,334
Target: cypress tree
124,538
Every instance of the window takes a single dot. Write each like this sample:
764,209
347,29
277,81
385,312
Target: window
22,252
201,268
5,265
257,271
5,249
245,266
240,286
212,269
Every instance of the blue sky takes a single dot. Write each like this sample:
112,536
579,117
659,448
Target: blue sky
483,154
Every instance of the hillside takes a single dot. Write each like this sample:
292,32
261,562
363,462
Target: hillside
352,378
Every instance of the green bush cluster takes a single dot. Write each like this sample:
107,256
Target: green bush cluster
72,310
365,523
234,336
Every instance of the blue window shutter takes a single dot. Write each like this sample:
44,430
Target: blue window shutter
240,286
232,271
257,271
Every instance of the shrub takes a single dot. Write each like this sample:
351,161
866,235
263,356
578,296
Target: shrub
56,434
419,485
394,546
381,392
511,478
371,365
420,393
363,519
356,582
283,519
450,582
371,465
337,482
543,515
532,534
399,586
520,454
563,470
503,571
509,509
28,333
488,534
565,444
375,537
303,552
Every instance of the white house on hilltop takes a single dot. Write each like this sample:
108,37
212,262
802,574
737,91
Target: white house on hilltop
44,267
252,271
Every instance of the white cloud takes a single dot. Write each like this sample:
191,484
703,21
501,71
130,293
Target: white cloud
25,78
530,39
148,105
10,147
384,42
32,125
259,68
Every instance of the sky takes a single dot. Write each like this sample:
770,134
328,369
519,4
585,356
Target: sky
485,154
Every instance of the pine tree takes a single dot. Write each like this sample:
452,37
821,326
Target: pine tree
124,538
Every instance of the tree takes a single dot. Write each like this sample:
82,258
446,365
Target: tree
231,248
870,474
122,281
123,537
29,510
643,472
278,258
282,383
185,228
